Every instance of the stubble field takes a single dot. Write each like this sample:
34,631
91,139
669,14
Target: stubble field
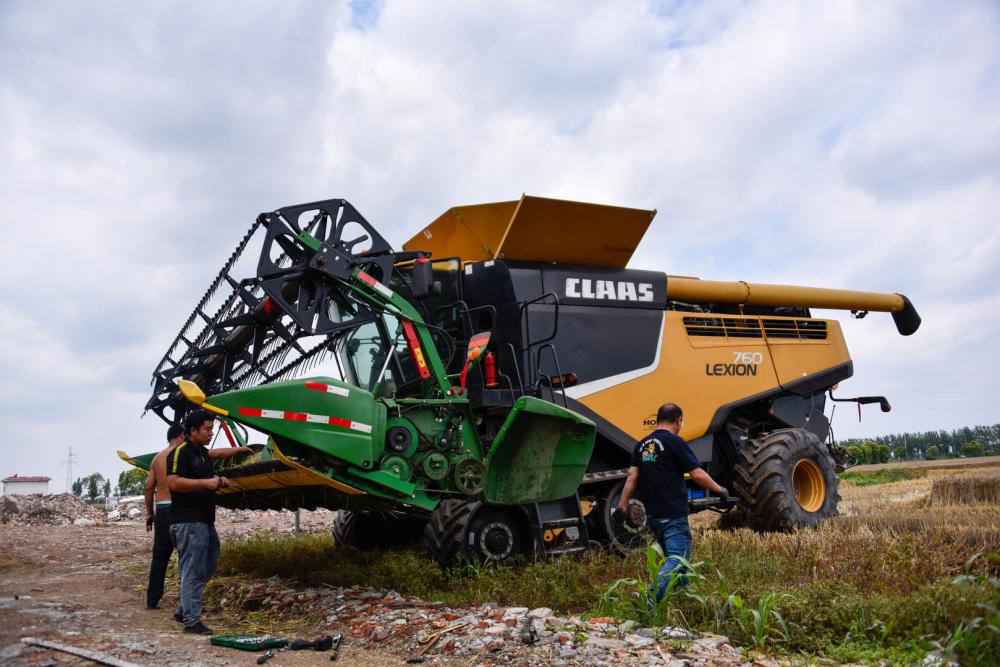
909,567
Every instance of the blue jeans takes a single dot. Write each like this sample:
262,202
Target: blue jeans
674,536
197,547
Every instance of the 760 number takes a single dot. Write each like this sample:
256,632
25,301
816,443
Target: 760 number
748,357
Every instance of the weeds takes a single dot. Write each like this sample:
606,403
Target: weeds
897,578
8,562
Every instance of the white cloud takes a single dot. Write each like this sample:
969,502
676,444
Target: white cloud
850,145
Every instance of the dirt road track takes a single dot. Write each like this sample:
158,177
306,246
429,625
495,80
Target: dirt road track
84,585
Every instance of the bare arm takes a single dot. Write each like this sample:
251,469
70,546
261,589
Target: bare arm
704,480
633,478
224,452
150,487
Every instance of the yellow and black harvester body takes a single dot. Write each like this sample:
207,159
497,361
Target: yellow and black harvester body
748,363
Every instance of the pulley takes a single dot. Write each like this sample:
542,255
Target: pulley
398,439
435,466
470,476
396,466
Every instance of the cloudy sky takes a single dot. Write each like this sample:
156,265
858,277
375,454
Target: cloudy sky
841,144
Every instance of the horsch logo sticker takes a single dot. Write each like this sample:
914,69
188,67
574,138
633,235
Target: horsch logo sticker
608,290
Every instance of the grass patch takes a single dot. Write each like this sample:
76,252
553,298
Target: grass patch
881,476
566,584
135,569
887,583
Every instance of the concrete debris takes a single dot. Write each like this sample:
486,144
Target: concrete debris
487,634
48,510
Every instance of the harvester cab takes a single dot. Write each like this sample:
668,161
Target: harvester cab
489,381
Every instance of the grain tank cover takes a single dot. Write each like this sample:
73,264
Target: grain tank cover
537,229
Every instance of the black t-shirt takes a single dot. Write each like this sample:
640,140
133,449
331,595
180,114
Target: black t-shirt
662,459
191,461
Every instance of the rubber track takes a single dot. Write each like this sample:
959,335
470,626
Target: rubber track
445,533
345,530
762,481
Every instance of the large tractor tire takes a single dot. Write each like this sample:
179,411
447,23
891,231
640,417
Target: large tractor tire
468,530
786,480
371,530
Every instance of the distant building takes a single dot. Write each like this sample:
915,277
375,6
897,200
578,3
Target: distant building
20,486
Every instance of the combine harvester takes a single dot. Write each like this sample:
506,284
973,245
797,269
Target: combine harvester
492,377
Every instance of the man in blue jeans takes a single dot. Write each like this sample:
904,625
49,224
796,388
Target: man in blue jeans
659,463
193,482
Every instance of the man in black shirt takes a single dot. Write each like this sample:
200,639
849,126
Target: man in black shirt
659,463
193,482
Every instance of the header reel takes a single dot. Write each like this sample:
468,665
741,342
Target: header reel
252,330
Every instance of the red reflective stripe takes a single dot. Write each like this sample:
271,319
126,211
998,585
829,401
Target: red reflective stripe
343,423
295,416
479,339
415,352
367,278
316,385
250,412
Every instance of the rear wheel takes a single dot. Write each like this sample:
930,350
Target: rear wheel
468,530
786,480
372,530
626,536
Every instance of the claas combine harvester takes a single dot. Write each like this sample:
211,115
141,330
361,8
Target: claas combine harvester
487,383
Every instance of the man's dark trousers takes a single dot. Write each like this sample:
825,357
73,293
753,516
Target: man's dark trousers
163,546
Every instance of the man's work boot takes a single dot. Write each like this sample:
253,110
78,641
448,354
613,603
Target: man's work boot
199,628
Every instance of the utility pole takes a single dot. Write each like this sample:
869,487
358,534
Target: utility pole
70,460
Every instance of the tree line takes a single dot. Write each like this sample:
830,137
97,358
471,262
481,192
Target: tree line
95,488
961,442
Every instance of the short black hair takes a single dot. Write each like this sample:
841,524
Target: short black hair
196,418
669,413
174,431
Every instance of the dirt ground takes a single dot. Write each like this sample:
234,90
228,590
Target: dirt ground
85,586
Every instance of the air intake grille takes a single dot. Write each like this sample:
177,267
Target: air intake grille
738,327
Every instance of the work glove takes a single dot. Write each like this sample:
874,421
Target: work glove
724,493
618,516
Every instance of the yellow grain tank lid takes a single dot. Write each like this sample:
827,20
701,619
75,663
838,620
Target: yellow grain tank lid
537,229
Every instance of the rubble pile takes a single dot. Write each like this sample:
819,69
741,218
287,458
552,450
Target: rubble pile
48,510
132,508
247,523
487,634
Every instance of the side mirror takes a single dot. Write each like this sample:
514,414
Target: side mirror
424,284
